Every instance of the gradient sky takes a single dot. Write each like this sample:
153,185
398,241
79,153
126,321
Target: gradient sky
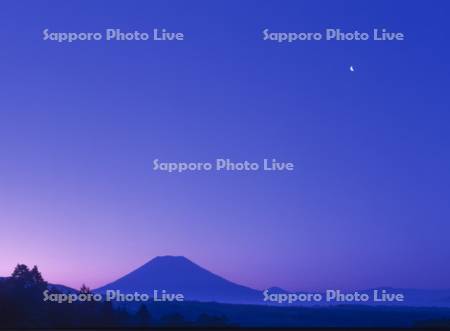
80,124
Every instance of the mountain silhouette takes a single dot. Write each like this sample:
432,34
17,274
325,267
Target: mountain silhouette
61,288
177,274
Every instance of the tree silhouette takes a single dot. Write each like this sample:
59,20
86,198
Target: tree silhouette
143,316
20,272
84,289
206,320
24,277
174,319
22,305
36,277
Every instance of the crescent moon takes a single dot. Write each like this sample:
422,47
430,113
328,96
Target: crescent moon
352,69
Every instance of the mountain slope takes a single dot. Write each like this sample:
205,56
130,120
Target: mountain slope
52,287
177,274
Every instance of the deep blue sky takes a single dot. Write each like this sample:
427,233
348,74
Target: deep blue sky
81,123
